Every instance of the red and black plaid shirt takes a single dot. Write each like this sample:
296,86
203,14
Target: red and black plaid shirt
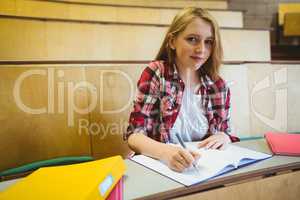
159,97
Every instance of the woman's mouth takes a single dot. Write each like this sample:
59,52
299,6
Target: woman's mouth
197,58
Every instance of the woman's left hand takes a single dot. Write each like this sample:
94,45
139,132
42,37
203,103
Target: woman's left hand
217,141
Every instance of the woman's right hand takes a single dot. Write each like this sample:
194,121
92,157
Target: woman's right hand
178,158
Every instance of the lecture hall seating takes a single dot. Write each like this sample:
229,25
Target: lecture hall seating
73,41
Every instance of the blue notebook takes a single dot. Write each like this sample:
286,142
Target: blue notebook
212,163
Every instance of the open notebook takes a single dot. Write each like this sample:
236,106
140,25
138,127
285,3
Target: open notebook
211,163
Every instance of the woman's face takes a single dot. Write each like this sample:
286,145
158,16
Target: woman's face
194,45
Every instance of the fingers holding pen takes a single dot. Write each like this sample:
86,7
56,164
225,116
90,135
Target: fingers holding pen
190,156
179,158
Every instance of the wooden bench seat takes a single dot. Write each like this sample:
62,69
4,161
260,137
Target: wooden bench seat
214,4
284,8
291,25
55,40
104,13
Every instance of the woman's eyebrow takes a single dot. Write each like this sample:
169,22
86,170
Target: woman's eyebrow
199,36
193,34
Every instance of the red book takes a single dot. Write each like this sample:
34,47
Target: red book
284,143
117,192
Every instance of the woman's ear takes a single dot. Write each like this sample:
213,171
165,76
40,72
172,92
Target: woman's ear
171,42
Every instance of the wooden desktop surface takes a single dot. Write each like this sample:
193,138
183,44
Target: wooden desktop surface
143,183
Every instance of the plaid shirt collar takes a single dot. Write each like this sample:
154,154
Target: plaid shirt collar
205,80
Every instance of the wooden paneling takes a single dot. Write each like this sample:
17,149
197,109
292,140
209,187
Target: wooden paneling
237,78
36,115
286,186
274,90
108,99
98,13
116,87
264,97
50,40
250,107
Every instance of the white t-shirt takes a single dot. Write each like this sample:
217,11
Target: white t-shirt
191,123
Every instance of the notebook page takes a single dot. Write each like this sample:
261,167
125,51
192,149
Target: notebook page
244,155
232,154
188,177
223,158
210,164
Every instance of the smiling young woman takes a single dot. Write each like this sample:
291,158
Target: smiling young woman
181,93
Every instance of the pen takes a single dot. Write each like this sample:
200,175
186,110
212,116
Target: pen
183,145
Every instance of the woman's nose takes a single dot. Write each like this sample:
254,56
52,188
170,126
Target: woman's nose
200,48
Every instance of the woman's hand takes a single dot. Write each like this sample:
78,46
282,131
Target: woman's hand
178,158
216,141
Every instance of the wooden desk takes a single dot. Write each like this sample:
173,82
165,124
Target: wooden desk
274,178
278,175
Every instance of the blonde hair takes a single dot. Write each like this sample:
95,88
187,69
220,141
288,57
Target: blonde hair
180,22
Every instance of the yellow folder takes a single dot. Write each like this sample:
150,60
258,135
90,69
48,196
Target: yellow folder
85,181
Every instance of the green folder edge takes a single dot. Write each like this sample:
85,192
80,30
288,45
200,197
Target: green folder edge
251,138
45,163
261,137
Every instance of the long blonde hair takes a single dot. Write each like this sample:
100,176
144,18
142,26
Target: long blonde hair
181,20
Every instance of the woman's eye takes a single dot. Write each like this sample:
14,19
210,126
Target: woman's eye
192,40
209,42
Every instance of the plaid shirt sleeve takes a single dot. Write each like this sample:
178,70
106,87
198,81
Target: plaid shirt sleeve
145,112
226,123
